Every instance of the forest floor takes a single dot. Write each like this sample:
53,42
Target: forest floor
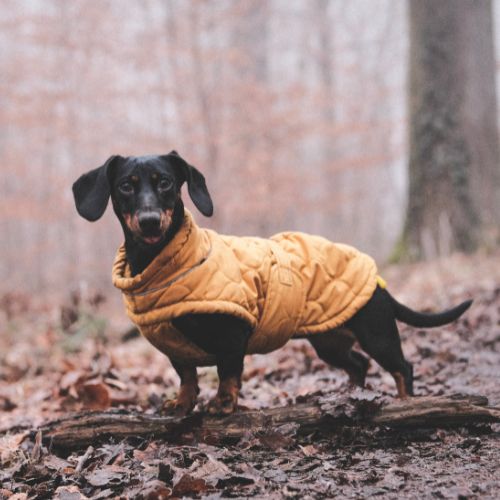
58,360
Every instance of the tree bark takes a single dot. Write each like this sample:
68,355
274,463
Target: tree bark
479,112
83,429
452,109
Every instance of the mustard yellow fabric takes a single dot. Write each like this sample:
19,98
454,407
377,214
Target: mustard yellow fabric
292,284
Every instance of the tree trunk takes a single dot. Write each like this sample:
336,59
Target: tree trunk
449,157
479,113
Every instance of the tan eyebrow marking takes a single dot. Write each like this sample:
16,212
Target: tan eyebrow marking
134,178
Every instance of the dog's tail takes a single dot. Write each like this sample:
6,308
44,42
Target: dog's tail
423,320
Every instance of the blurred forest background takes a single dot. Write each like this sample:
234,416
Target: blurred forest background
371,122
296,111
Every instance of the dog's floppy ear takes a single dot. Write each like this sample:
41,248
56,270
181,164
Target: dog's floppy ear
92,190
197,187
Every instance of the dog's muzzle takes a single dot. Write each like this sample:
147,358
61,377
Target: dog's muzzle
150,226
149,222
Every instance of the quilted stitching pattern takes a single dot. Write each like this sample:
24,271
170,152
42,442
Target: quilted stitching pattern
291,284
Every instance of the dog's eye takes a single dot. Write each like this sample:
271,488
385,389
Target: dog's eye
165,184
126,187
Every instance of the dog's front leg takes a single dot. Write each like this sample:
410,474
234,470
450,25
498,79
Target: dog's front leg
229,369
225,337
231,342
188,392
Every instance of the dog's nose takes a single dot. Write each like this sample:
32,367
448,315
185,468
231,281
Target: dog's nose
149,221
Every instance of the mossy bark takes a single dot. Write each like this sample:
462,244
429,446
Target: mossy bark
446,205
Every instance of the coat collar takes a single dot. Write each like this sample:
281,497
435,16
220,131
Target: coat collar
188,248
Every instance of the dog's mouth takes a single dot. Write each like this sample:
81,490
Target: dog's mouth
150,236
152,240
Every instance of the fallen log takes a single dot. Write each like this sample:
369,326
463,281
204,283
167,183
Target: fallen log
87,428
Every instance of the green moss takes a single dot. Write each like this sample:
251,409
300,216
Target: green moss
401,252
88,326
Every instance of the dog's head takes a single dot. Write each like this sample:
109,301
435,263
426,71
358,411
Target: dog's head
144,191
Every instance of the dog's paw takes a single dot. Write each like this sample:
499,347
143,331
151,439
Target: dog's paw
178,407
222,405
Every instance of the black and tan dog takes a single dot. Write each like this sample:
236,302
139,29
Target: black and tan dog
202,298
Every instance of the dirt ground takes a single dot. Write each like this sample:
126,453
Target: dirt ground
56,359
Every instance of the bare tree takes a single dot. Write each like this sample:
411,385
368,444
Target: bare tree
479,112
447,147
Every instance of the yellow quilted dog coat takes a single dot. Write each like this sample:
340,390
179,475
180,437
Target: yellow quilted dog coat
292,284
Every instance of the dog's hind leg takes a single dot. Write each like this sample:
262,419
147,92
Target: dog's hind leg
375,328
334,348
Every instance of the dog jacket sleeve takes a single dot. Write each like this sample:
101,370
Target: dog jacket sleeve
291,284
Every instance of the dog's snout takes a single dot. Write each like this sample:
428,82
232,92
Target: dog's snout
149,221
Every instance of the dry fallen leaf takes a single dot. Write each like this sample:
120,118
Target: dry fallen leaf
108,475
156,490
188,485
69,493
95,395
309,450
